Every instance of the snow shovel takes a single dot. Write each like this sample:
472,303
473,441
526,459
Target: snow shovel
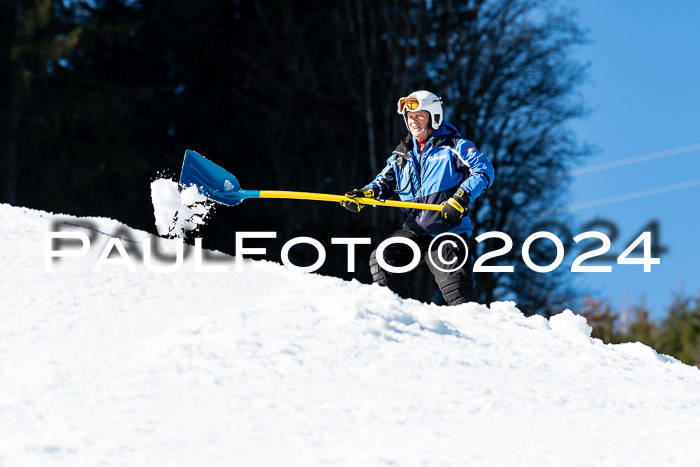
220,185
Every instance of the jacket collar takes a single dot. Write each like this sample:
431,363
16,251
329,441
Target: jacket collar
443,132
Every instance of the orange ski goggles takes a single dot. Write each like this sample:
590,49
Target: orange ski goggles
408,103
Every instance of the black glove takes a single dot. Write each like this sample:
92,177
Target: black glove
352,205
456,207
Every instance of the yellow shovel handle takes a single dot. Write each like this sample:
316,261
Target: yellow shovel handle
339,198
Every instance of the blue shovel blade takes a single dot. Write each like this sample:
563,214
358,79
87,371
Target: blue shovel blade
212,180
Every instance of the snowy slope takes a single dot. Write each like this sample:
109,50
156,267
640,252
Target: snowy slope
144,368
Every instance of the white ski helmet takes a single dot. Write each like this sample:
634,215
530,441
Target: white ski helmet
421,100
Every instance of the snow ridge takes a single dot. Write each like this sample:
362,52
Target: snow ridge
141,368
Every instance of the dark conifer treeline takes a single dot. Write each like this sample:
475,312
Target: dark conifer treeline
97,97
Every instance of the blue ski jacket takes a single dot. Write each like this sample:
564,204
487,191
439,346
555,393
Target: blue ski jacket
448,162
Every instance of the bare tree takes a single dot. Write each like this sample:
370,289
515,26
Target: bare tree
505,71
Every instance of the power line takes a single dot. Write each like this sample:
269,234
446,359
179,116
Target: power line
625,197
634,160
635,195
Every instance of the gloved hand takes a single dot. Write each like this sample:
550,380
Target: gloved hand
457,206
352,205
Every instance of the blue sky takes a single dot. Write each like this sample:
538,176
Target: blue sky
644,92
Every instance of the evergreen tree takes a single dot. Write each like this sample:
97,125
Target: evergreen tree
643,329
602,319
35,38
680,336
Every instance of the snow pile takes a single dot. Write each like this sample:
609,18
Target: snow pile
176,210
266,367
569,324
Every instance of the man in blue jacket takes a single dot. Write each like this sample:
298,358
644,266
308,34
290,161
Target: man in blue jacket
435,165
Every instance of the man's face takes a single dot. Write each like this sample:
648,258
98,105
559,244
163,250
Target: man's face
419,124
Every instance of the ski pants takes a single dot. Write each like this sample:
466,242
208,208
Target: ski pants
456,286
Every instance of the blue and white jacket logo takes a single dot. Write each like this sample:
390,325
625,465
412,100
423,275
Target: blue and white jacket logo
437,157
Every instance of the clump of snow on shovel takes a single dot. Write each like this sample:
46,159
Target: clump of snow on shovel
177,210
